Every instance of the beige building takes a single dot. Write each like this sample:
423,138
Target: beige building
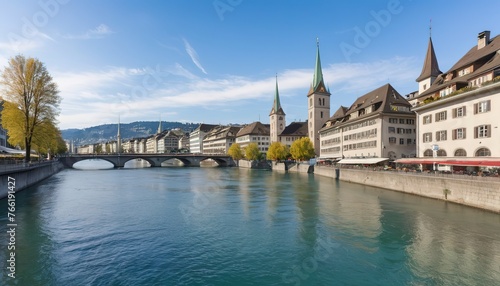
292,132
378,125
219,139
196,137
457,114
257,133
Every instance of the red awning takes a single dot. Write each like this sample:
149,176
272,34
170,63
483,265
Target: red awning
479,162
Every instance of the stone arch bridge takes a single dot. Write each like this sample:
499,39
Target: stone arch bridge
119,160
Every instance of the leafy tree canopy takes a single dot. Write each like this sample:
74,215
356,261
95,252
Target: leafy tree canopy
277,151
302,149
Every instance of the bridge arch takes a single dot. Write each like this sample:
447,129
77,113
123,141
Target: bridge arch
184,161
128,159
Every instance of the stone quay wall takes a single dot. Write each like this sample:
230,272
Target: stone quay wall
27,176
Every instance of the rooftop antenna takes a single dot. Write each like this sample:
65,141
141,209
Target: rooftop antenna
430,28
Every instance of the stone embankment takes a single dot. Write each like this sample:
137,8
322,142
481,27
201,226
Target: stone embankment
474,191
26,175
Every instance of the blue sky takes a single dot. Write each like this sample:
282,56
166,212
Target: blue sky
215,61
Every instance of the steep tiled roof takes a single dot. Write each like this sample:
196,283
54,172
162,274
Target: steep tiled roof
380,100
295,129
255,128
475,54
484,60
431,67
205,127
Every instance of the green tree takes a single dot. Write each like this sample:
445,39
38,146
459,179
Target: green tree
277,151
252,152
302,149
34,97
235,152
47,139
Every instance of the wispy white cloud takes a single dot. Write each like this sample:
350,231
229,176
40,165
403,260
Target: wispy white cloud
96,97
21,44
97,33
194,55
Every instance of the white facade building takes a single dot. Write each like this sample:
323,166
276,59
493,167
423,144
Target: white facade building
379,124
257,133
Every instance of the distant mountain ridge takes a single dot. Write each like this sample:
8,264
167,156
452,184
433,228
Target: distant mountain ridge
108,132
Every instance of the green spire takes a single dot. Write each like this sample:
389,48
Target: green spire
318,73
277,104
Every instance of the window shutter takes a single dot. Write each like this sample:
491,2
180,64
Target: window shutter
464,133
454,113
463,107
488,105
488,130
475,131
454,134
475,108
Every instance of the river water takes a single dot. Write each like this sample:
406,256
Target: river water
226,226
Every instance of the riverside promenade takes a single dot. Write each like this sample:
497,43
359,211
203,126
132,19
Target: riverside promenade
474,191
25,175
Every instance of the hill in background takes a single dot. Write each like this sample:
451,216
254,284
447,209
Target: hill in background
107,132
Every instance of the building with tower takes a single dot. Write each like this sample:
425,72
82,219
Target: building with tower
318,104
457,111
277,117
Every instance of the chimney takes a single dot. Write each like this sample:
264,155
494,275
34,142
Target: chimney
483,39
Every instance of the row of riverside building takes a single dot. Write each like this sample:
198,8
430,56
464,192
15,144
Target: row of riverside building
449,120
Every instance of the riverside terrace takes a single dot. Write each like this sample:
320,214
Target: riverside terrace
119,160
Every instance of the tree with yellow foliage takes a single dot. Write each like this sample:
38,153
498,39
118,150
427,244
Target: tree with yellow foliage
32,101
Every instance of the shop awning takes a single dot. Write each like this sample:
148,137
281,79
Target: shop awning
4,149
478,162
365,161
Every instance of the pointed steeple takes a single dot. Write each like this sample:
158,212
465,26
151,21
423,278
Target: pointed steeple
118,133
159,127
277,104
318,84
118,137
431,67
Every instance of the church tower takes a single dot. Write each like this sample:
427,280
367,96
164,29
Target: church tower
430,69
318,102
276,117
118,138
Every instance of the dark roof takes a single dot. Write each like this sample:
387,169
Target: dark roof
339,113
381,100
485,58
475,54
386,95
206,127
431,67
255,128
295,129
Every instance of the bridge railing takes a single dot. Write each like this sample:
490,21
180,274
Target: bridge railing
7,166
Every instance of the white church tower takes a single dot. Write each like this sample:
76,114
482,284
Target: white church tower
318,102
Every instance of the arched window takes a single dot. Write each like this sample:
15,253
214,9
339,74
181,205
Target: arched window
428,153
441,153
483,152
460,153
